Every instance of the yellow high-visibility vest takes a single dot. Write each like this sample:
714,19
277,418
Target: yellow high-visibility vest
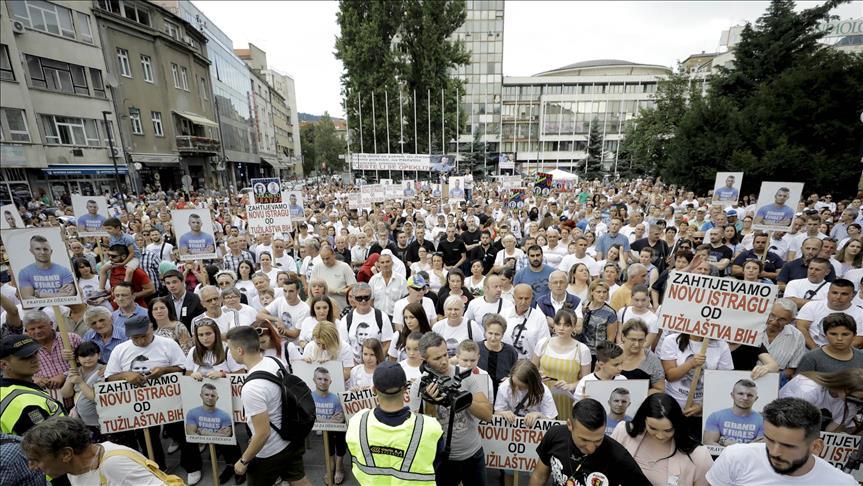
402,455
15,398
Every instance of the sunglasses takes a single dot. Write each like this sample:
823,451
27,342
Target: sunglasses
362,298
113,255
260,330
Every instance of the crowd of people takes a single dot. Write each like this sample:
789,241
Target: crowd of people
535,300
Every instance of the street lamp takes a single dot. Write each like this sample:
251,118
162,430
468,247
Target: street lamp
113,155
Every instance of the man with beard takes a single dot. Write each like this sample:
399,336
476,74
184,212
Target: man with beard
788,454
738,424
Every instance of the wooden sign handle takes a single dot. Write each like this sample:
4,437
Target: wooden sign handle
64,335
697,376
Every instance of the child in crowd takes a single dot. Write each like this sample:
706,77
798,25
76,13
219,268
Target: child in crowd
467,355
361,374
412,363
608,359
209,357
80,382
118,236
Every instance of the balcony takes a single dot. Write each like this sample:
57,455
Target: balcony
200,145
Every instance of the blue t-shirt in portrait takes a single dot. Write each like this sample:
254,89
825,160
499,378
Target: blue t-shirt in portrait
775,215
45,281
91,222
739,429
611,423
197,243
326,406
208,422
726,194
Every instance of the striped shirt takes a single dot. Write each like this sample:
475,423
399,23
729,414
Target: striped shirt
232,262
787,347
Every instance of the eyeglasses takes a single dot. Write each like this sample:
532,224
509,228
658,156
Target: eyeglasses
362,298
260,330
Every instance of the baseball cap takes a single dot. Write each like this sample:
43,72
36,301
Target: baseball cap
417,282
20,346
137,326
389,378
730,213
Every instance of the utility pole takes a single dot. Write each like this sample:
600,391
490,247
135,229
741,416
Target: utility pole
113,156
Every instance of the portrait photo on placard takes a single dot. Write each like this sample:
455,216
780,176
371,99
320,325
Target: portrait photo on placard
732,407
296,205
11,217
726,189
777,204
208,410
456,188
408,188
620,398
327,382
266,190
90,212
195,236
40,263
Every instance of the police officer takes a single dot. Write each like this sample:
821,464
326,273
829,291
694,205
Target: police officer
22,403
391,445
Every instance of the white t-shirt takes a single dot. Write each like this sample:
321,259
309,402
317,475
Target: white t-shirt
718,358
398,311
799,287
90,287
360,378
346,356
227,321
748,464
569,261
525,339
648,317
507,401
262,396
166,250
412,373
805,388
358,332
817,310
292,315
307,327
453,335
478,308
117,469
228,366
554,256
578,394
159,353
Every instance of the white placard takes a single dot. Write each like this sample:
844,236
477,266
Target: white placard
726,189
720,425
122,406
195,235
296,206
40,263
614,398
207,411
269,218
327,382
90,212
456,188
408,162
11,217
512,446
838,448
777,204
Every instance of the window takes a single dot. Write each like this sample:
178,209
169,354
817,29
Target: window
112,6
84,32
6,72
98,85
123,59
57,76
157,123
184,78
202,85
45,17
136,14
175,73
63,130
14,124
135,119
172,30
147,68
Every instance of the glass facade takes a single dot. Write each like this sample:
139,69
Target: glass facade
231,87
482,35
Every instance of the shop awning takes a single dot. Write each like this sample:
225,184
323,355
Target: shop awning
197,119
274,163
95,169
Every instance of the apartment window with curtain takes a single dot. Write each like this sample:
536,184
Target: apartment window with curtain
157,123
135,120
123,60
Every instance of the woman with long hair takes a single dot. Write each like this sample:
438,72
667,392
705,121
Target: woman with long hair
562,361
245,271
80,382
209,358
88,283
579,281
455,285
415,320
639,308
476,280
660,441
850,256
840,392
437,275
272,344
322,309
598,321
163,315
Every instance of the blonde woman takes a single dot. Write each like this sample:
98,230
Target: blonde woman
579,281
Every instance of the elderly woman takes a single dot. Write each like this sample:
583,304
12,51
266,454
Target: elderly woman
102,331
454,327
509,251
232,301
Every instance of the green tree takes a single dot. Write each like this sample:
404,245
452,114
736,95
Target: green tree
328,146
593,164
307,144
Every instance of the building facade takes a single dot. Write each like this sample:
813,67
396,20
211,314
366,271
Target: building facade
163,96
546,118
289,145
53,92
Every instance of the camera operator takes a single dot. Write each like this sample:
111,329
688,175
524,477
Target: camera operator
439,391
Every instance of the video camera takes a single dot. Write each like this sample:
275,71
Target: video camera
449,389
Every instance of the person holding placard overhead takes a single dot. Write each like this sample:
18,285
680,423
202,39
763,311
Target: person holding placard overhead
776,214
44,279
195,241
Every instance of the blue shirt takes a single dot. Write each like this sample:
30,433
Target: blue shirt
208,422
125,240
739,429
90,222
119,319
45,281
118,335
326,406
726,194
197,243
537,280
611,423
607,241
775,215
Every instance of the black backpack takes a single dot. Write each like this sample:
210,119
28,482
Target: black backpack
379,319
298,407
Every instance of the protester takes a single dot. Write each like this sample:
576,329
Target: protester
495,356
562,361
639,361
414,319
80,383
839,393
526,325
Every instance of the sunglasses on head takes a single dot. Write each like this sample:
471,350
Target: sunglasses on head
260,330
362,298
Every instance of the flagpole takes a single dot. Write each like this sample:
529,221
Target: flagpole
360,104
387,103
416,150
401,124
374,124
442,124
428,112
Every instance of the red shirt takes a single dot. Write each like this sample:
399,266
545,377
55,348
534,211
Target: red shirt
139,279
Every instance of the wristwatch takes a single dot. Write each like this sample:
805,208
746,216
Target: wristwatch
244,462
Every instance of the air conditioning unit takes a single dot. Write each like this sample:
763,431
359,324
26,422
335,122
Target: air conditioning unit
115,153
17,26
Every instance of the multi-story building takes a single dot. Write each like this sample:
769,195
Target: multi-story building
163,94
289,152
261,104
547,117
232,87
53,93
482,35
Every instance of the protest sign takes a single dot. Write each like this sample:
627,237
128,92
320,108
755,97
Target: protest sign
516,199
620,398
40,262
456,188
731,410
716,308
267,191
207,411
838,449
726,190
355,200
777,204
122,406
196,239
441,163
408,188
411,162
269,218
386,182
512,446
327,382
295,205
237,381
542,184
379,192
90,212
11,217
355,400
509,182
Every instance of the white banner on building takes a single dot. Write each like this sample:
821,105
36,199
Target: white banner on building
414,162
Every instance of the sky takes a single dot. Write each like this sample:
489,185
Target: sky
299,36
